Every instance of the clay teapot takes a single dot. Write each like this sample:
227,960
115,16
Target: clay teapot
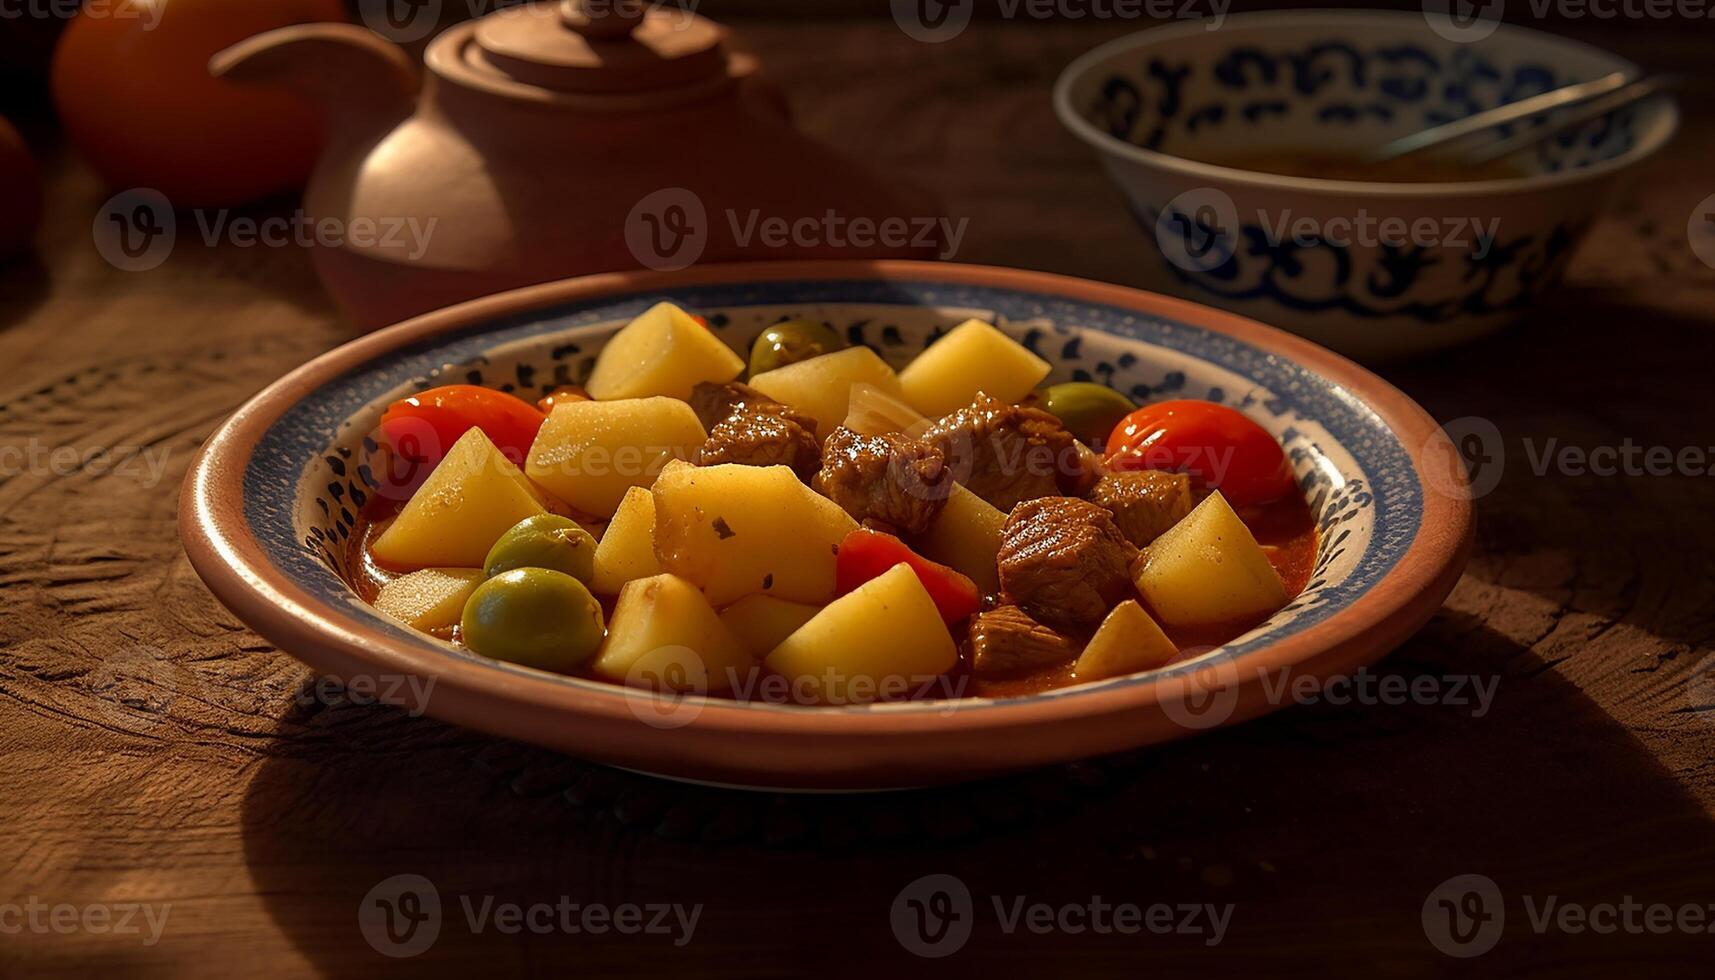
558,139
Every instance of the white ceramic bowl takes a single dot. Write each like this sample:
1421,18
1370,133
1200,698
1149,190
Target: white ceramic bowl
1374,270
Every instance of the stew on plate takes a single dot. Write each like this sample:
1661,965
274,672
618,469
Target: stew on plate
827,530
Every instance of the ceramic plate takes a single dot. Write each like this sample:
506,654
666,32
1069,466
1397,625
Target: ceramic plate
268,510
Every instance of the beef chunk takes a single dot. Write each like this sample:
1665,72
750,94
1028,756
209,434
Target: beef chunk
745,426
1007,453
758,436
1064,561
1144,502
713,401
1005,640
891,479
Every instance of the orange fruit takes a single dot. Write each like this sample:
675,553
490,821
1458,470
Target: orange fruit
134,95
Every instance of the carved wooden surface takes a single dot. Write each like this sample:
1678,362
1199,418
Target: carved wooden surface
157,752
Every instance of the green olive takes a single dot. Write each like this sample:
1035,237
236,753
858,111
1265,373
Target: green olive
790,342
544,541
1088,410
533,616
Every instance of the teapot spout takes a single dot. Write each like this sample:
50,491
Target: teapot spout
360,81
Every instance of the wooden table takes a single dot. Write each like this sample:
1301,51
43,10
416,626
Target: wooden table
157,752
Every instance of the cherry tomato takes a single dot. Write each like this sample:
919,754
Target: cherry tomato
423,427
1219,445
865,554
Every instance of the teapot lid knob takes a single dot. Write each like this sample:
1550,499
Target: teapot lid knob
603,20
598,47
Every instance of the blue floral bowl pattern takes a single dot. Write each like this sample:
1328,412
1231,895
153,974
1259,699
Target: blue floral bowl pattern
1372,269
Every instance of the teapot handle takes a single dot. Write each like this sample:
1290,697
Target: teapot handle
359,79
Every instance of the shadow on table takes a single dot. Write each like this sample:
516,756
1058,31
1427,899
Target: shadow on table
1325,828
1585,383
24,283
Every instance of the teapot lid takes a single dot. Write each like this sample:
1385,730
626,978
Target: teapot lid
597,47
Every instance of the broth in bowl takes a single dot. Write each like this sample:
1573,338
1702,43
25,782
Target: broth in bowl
1335,165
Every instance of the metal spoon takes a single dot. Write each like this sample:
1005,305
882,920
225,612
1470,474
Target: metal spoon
1608,92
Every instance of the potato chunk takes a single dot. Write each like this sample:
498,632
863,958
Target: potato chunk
821,386
966,537
762,621
883,638
662,352
473,496
589,453
626,550
665,636
429,599
1208,569
734,530
972,357
1127,641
